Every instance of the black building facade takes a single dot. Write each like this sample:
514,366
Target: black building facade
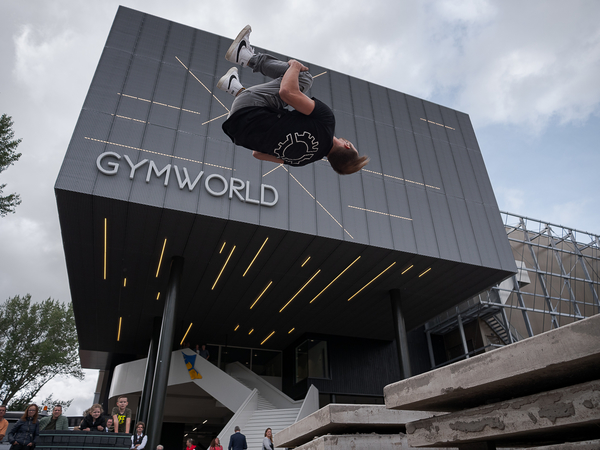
273,256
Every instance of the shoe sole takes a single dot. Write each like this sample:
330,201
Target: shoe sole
232,54
225,82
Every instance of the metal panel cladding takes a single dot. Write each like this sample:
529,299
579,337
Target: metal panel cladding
150,133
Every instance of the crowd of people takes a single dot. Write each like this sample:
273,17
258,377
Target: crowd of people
23,434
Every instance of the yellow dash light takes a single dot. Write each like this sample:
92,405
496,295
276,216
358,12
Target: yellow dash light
424,272
300,290
255,256
388,267
161,257
261,294
272,333
186,333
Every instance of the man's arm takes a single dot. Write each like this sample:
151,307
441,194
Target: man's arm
3,427
266,157
43,422
62,423
289,91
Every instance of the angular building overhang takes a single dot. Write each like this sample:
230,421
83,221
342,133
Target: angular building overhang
270,251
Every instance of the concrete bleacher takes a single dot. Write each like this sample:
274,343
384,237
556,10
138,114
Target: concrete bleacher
542,392
338,426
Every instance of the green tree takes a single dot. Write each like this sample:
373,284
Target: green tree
8,156
49,401
38,341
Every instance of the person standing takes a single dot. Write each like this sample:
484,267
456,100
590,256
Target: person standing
202,351
139,439
56,421
121,415
3,422
268,440
23,434
216,444
237,441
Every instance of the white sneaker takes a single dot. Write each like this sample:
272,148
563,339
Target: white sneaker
230,82
240,50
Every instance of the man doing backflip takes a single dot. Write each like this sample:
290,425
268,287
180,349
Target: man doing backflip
260,121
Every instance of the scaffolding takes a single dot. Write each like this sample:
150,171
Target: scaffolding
557,283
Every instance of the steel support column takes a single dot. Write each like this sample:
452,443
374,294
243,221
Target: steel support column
517,290
401,335
565,276
149,374
507,326
430,348
580,258
462,336
163,359
541,276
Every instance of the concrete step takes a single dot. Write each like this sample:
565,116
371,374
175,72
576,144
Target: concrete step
337,419
276,419
263,403
561,357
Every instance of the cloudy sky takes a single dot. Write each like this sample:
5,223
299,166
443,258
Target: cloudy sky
527,73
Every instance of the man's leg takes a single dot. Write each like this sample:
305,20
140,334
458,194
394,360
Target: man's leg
271,67
267,94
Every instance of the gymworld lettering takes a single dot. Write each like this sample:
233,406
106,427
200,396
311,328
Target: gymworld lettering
235,186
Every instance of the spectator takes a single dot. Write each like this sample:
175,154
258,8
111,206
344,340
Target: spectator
94,421
23,434
202,351
216,444
56,421
121,415
3,422
237,441
268,440
109,425
139,438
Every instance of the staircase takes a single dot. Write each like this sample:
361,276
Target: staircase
266,416
263,403
276,419
498,328
266,407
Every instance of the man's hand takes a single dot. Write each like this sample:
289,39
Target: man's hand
289,91
267,157
296,64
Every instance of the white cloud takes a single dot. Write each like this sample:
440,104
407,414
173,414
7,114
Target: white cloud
64,388
504,63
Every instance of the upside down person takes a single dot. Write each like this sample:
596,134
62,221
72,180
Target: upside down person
260,121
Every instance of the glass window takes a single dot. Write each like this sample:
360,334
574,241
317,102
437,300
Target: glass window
311,360
266,362
233,354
